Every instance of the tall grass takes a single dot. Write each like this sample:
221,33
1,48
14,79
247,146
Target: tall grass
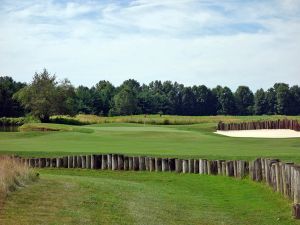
82,119
13,174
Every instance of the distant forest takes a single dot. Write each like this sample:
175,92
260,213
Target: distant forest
45,96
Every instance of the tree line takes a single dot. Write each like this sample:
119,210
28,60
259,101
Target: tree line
45,96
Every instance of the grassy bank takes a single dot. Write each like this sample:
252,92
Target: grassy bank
92,197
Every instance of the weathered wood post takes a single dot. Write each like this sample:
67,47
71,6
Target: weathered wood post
65,161
229,169
191,165
109,161
136,163
114,159
202,166
104,162
178,165
171,163
120,162
296,187
287,180
70,161
164,165
88,162
185,166
31,162
142,164
147,163
126,163
79,161
223,168
208,166
96,161
152,164
83,161
75,161
59,162
130,163
158,164
196,165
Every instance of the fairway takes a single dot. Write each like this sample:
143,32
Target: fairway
196,140
93,197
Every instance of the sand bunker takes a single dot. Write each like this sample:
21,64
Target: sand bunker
263,133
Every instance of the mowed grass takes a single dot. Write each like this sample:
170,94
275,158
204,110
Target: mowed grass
197,140
96,197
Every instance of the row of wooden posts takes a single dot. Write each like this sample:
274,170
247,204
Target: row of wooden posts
281,177
254,125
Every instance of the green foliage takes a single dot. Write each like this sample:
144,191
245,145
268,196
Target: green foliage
8,106
244,99
260,102
5,121
45,97
125,102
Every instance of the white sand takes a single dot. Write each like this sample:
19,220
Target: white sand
263,133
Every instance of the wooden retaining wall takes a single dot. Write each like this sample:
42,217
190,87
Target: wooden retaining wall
255,125
282,177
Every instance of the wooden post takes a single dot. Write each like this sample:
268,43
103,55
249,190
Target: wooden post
164,165
296,211
47,162
126,163
178,165
142,165
83,161
96,161
74,161
201,166
152,164
70,161
191,165
135,163
147,163
120,162
59,162
296,188
104,163
223,168
88,161
287,180
185,166
158,164
109,161
196,166
208,166
114,160
130,163
31,162
172,165
79,161
229,169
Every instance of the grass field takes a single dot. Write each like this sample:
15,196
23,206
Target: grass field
197,140
96,197
92,197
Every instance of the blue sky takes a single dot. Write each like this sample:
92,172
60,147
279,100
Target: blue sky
254,43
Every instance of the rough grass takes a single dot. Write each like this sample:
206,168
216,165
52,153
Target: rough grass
13,174
162,120
94,197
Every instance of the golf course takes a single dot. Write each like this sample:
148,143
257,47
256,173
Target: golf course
82,196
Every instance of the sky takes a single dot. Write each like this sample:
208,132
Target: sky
194,42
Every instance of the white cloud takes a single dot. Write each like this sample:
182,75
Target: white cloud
193,42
